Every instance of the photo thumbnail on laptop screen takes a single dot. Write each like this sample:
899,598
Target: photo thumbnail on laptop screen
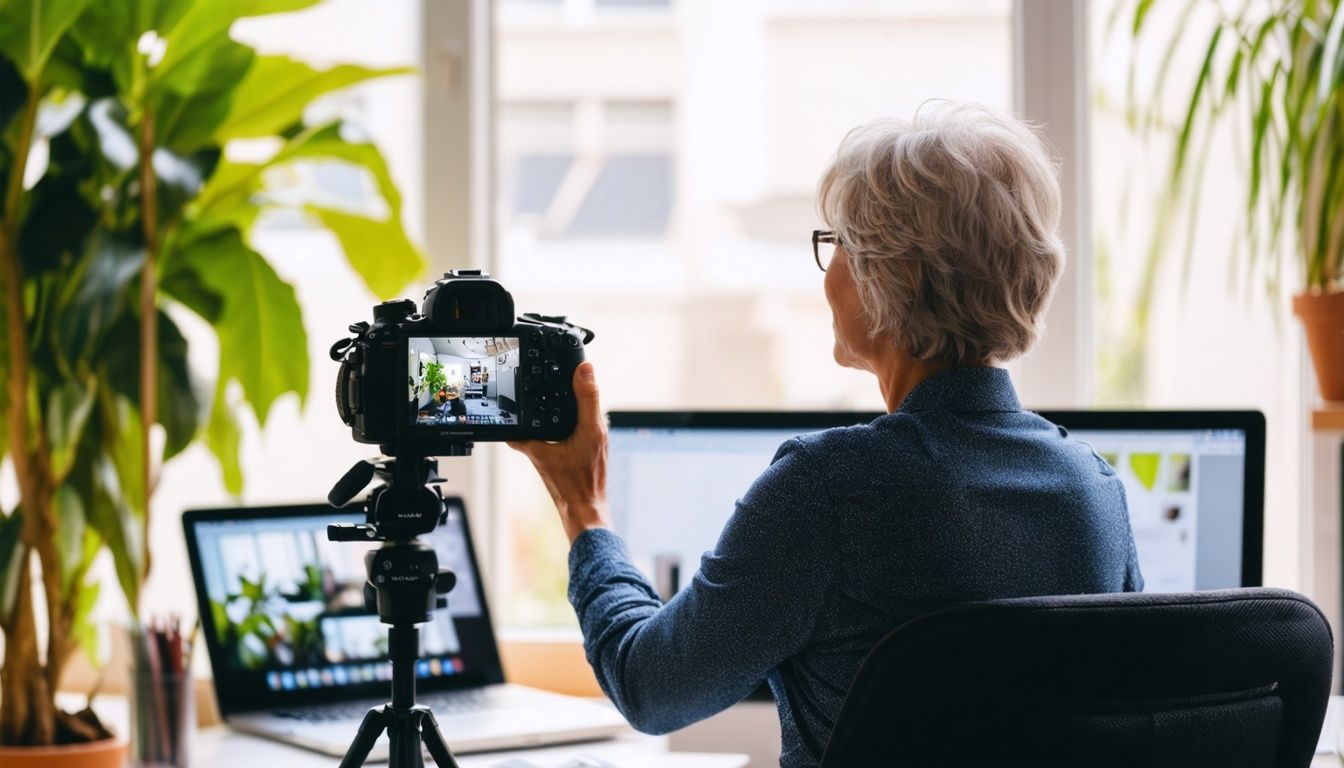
288,605
461,380
1184,487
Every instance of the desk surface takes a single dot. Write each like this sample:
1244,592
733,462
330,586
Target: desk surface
219,746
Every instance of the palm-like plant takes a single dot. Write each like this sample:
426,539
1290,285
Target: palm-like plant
120,212
1276,67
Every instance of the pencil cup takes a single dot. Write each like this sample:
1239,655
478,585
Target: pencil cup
163,713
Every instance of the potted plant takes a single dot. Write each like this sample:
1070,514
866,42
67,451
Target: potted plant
1279,68
435,379
119,214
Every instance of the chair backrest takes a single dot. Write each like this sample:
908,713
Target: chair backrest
1225,678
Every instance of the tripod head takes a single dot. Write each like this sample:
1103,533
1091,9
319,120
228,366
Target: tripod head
404,583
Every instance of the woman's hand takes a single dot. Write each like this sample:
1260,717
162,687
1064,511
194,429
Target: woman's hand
575,470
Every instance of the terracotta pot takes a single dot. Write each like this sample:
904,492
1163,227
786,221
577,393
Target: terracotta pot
1322,316
108,753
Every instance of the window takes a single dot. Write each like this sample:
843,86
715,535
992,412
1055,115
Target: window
1168,336
656,174
618,182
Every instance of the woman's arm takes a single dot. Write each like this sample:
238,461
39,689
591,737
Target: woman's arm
752,604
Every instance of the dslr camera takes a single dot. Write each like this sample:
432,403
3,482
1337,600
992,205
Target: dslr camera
460,370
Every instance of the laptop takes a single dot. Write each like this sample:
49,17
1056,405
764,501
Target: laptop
297,658
1194,479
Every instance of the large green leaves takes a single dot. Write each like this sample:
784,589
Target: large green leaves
176,402
30,30
196,42
224,439
262,344
373,239
272,96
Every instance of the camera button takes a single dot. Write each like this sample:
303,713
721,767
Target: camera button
554,372
535,370
534,352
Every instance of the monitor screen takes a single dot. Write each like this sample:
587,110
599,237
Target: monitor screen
674,479
462,381
284,613
1185,494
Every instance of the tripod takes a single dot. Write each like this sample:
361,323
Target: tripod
404,585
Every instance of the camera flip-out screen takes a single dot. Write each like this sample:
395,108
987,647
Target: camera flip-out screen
457,380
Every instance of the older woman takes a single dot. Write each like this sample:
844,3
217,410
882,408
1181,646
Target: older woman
945,254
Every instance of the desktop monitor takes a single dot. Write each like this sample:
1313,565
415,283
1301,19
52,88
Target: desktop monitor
1195,484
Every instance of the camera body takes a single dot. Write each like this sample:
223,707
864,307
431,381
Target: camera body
461,370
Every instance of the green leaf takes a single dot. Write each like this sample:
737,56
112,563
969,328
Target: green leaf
83,630
70,517
1196,100
11,526
30,29
196,41
226,201
68,407
212,67
123,451
113,492
1331,62
13,94
58,214
97,299
223,439
379,250
276,90
1140,14
109,32
120,529
262,343
177,406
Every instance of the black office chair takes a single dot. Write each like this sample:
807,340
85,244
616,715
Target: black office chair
1228,678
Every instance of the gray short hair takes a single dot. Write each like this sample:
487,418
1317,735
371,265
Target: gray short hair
950,221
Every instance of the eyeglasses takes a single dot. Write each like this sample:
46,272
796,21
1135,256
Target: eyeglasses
824,243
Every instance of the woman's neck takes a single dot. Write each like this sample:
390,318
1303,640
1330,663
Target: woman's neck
898,374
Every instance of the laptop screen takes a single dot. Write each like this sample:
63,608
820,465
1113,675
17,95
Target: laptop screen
283,610
1194,484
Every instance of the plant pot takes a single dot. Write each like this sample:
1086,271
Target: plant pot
108,753
1322,316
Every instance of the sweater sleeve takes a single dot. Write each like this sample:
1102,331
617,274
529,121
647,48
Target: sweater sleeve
753,603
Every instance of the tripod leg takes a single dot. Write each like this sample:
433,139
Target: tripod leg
369,730
433,737
403,734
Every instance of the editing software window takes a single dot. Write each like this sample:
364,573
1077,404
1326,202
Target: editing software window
1185,492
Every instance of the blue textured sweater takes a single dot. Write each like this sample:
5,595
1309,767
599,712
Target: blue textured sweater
959,495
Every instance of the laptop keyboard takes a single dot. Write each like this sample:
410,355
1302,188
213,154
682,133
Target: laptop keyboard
448,703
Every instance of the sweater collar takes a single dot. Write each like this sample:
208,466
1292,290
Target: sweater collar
963,388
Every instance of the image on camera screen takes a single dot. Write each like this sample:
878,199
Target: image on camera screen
463,381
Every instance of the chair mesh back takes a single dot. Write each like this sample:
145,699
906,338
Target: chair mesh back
1226,678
